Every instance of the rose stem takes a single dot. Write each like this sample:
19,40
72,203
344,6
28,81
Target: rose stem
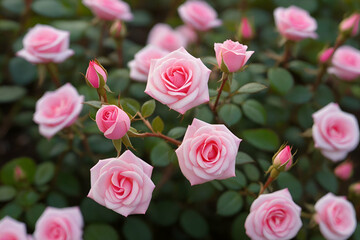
287,53
268,182
224,77
119,51
52,69
101,38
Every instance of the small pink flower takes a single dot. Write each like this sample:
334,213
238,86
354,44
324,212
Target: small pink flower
45,44
56,224
346,63
207,152
140,66
335,133
335,216
295,23
233,54
325,55
246,30
122,184
109,9
117,30
57,110
283,157
178,80
273,216
10,229
187,32
344,170
199,15
351,24
96,74
355,189
163,36
112,121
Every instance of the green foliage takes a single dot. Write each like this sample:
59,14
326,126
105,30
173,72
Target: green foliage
230,113
281,81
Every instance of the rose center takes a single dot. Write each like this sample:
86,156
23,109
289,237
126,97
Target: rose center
298,20
276,218
55,231
121,185
177,80
58,107
210,152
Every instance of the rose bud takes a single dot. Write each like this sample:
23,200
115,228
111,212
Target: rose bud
344,171
19,174
283,159
350,25
354,192
118,30
246,29
96,74
325,55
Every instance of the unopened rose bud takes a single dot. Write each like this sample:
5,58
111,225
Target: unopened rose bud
350,25
283,159
118,30
96,74
246,30
344,171
18,174
354,192
325,55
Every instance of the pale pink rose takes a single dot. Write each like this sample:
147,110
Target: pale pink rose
346,63
45,44
57,109
335,216
94,73
273,216
112,121
295,23
351,24
325,55
59,224
178,80
246,30
284,157
233,54
207,152
10,229
344,171
335,133
122,184
140,66
188,32
163,36
109,9
199,15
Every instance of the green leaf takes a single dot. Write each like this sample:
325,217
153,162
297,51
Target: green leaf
324,95
254,111
7,193
68,184
148,108
8,25
52,9
98,212
44,173
117,145
130,105
27,166
14,6
238,231
243,158
135,229
252,88
11,93
33,214
27,73
299,95
287,180
127,142
27,198
201,192
157,124
11,209
230,113
194,224
55,199
95,104
161,154
327,180
235,183
164,213
304,115
100,231
229,203
251,172
262,138
281,81
177,132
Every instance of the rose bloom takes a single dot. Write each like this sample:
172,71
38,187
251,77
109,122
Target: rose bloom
178,80
295,23
233,54
57,110
10,229
166,38
109,9
273,216
112,121
335,216
140,66
122,184
351,24
45,44
207,152
59,224
344,170
346,63
93,73
335,133
199,15
187,32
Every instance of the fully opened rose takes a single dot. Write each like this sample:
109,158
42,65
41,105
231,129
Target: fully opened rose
345,63
166,38
178,80
122,184
207,152
10,229
109,9
112,121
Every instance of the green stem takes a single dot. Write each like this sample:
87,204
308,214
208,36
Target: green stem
223,79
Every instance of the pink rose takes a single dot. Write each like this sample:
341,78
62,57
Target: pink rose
140,66
335,216
122,184
10,229
325,55
57,110
163,36
351,24
233,54
59,224
284,157
346,63
246,30
187,32
344,170
335,132
112,121
199,15
273,216
109,9
207,152
96,74
44,44
295,23
178,80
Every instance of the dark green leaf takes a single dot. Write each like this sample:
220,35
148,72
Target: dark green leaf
157,124
235,183
27,73
117,144
194,224
254,111
95,104
148,108
135,229
11,209
44,173
164,213
252,88
230,113
177,132
251,172
26,165
161,154
229,203
27,198
33,214
281,81
51,8
265,139
299,95
327,180
100,232
11,93
287,180
7,193
243,158
130,105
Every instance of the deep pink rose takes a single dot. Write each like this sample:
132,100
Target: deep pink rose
178,80
344,170
59,224
207,152
346,63
273,216
109,9
163,36
199,15
335,133
140,66
246,30
233,54
10,229
325,55
112,121
351,24
295,23
44,44
57,110
94,73
122,184
187,32
284,157
335,216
